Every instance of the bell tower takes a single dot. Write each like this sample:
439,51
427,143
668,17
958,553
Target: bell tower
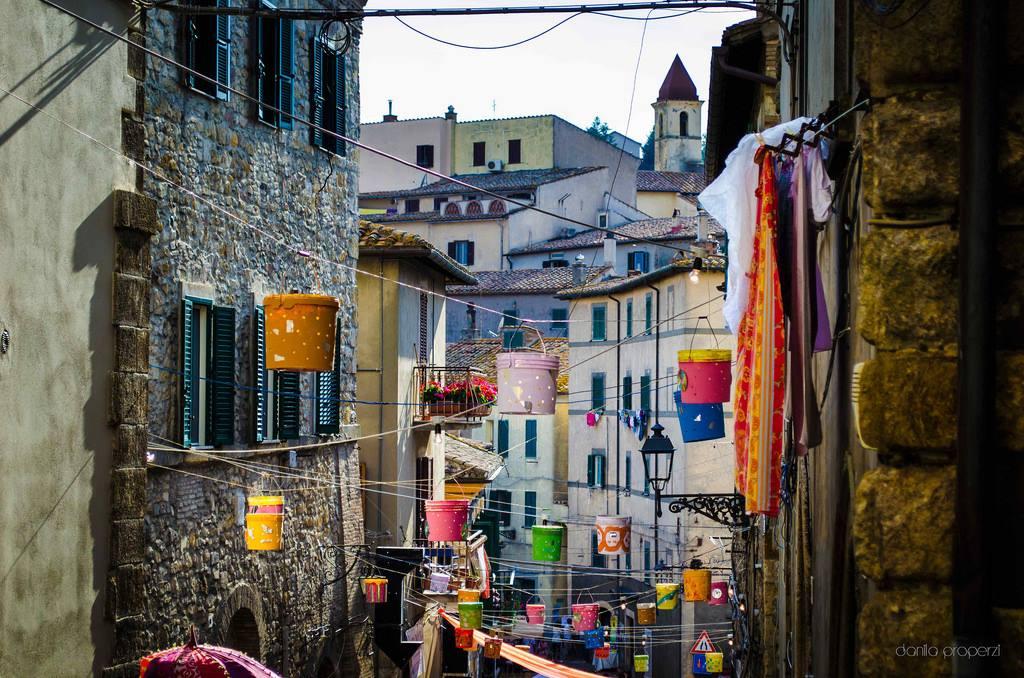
677,122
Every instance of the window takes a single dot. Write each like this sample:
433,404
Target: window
274,69
479,153
661,125
627,392
602,220
438,203
208,373
530,510
471,317
629,559
515,151
474,208
424,334
501,505
327,97
671,301
598,322
425,155
645,392
560,321
503,437
682,125
648,312
462,251
531,439
596,559
597,391
629,473
512,334
629,317
554,263
412,206
208,51
638,260
595,469
497,207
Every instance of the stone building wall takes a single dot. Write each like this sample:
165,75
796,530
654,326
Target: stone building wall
242,186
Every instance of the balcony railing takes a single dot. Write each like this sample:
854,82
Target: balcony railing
467,409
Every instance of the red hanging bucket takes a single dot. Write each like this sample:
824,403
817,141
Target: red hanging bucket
535,613
584,616
705,376
492,648
465,639
446,519
603,652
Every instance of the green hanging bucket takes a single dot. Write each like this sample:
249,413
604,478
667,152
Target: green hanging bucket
547,543
471,615
641,663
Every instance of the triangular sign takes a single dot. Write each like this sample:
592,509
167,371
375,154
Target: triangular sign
703,644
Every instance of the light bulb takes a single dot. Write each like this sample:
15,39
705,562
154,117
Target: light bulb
695,276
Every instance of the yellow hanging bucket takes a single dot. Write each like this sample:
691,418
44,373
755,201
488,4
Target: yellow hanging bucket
264,522
646,614
300,332
696,585
668,595
468,596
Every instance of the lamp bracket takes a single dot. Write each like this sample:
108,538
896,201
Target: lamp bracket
725,509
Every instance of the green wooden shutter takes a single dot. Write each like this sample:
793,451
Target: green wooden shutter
629,473
531,438
289,405
599,470
598,315
339,102
648,312
285,72
260,374
645,392
597,391
530,512
627,392
316,95
503,436
187,373
223,61
222,376
591,470
629,317
328,394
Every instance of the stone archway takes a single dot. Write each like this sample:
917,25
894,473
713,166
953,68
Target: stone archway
241,624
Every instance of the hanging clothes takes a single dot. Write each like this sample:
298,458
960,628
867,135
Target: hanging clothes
731,201
761,378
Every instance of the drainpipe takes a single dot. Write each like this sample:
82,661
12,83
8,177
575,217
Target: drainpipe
657,372
722,53
978,460
618,437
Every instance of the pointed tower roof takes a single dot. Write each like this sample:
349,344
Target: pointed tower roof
677,85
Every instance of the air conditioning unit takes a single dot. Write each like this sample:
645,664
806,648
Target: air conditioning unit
495,165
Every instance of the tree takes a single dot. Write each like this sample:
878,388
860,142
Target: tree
600,130
648,160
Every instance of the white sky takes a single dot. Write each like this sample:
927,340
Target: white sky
581,69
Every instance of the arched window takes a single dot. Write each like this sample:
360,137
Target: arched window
474,208
452,210
496,207
661,125
682,125
244,633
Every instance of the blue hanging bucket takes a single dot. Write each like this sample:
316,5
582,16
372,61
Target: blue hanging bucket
593,638
704,421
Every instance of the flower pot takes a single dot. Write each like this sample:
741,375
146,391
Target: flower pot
446,519
719,594
471,615
375,589
700,422
705,375
613,535
696,585
641,663
646,615
300,332
668,595
264,523
547,543
584,616
446,408
535,613
527,382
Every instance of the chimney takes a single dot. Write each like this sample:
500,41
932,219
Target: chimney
702,226
610,252
451,114
579,271
390,117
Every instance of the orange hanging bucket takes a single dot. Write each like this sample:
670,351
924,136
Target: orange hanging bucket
696,585
300,332
646,614
465,639
264,523
492,648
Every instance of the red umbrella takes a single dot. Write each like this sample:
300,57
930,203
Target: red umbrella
193,660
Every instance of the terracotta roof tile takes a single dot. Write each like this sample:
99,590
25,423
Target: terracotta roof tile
500,182
670,228
670,182
623,283
482,354
470,459
522,281
375,238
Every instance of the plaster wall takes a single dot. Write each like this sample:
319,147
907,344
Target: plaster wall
57,229
675,151
573,147
401,138
664,204
535,134
488,324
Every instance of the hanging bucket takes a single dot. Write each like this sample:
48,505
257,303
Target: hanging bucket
705,375
714,662
535,613
375,589
696,585
719,594
603,652
584,616
439,581
700,422
263,523
646,614
446,519
527,382
469,596
465,639
300,332
594,638
613,535
471,615
547,543
668,595
492,648
641,663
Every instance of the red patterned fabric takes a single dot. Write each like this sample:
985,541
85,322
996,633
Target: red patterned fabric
193,660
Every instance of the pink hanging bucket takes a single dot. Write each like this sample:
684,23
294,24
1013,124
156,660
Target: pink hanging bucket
527,382
535,613
705,376
584,616
446,519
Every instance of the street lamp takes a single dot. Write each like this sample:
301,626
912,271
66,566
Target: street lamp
655,449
